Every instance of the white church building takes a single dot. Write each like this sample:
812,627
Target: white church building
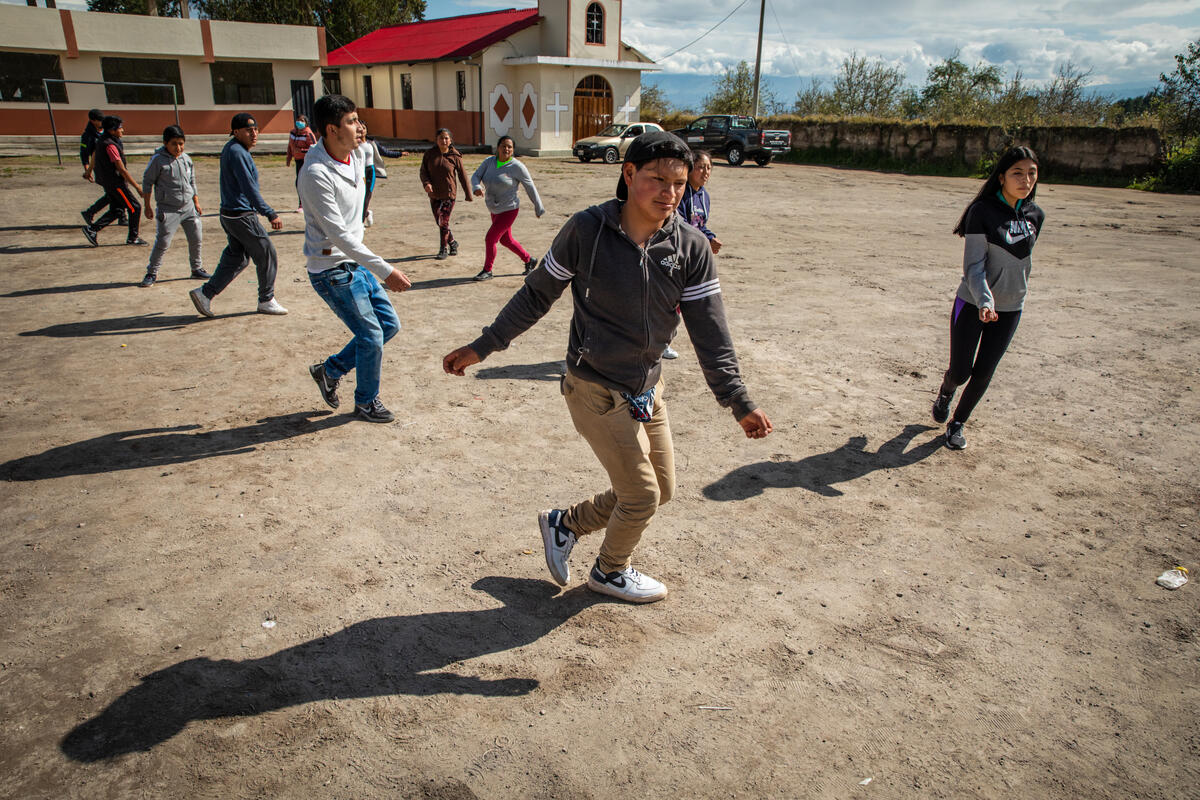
545,76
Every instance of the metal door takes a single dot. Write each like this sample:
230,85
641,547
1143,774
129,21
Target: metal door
302,99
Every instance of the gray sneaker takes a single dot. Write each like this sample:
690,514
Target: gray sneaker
90,235
628,584
374,411
557,540
200,301
954,436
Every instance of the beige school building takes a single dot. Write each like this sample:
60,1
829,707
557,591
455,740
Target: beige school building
545,76
217,68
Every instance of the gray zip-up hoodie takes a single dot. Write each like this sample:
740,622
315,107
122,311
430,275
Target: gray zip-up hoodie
625,298
499,185
173,179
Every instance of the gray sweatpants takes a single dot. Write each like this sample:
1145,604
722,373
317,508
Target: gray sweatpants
168,221
248,241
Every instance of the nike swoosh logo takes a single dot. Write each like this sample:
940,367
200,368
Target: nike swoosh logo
1008,237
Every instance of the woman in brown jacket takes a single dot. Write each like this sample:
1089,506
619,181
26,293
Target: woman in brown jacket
439,168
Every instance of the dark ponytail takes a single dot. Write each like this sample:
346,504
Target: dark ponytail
992,184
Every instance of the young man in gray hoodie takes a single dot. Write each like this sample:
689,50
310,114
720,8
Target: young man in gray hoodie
629,263
340,267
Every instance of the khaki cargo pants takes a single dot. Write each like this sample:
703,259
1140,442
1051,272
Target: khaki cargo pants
639,458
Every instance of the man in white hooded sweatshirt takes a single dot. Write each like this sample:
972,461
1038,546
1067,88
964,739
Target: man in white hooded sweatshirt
342,270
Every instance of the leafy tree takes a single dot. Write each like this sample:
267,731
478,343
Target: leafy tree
655,106
163,8
954,90
733,93
867,88
344,20
813,101
1179,101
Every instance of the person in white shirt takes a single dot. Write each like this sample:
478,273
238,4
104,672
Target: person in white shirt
341,269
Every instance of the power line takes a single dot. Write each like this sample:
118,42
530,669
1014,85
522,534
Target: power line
791,54
706,33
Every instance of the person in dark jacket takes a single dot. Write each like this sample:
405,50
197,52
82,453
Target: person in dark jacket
241,203
110,170
696,204
87,146
629,263
1000,227
440,167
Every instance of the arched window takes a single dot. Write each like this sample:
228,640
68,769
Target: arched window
595,24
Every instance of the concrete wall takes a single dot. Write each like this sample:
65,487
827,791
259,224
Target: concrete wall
1064,151
293,51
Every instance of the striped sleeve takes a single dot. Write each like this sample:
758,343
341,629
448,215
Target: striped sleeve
555,267
701,290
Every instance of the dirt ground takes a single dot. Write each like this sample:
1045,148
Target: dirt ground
849,600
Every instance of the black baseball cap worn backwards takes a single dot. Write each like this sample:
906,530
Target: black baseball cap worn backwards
242,120
651,146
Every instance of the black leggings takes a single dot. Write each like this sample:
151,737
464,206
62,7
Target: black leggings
968,335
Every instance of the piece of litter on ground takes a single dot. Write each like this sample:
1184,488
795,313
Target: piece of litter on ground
527,552
715,708
864,781
268,623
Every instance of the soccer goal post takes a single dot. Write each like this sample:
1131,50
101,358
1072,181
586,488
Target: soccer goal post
50,108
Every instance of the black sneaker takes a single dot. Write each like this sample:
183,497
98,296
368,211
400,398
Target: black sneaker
941,407
484,275
90,235
149,279
201,274
530,265
374,411
454,248
954,436
327,385
137,241
443,254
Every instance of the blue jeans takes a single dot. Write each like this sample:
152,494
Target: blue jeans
360,301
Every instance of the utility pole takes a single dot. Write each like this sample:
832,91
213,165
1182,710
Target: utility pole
758,56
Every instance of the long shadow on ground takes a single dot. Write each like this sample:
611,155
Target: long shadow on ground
384,656
546,371
818,473
156,447
125,326
84,287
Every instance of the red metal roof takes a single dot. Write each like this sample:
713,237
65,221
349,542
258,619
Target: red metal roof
434,39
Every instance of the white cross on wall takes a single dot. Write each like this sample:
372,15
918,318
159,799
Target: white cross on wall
556,109
626,110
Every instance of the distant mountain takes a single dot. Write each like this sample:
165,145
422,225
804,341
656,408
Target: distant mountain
688,91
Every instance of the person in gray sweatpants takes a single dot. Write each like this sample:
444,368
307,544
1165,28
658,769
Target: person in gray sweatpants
173,178
241,203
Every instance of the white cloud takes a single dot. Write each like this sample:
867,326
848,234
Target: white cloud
1120,42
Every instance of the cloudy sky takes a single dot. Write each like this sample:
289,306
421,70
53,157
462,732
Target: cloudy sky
1122,42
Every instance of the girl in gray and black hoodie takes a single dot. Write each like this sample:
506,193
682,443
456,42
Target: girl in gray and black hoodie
1000,226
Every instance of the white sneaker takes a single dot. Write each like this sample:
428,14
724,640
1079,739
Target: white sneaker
557,539
272,307
628,584
670,353
202,303
370,220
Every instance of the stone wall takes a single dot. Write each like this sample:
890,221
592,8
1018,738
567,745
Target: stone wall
1064,151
